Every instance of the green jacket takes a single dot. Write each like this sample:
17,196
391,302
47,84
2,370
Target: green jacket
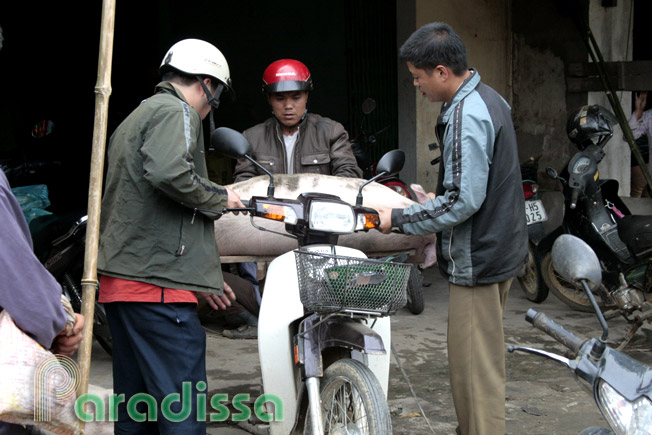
151,228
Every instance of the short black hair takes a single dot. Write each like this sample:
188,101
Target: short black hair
435,44
181,78
173,75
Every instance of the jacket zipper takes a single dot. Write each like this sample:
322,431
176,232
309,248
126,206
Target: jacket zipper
182,248
450,254
285,157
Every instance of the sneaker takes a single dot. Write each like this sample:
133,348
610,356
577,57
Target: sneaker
244,331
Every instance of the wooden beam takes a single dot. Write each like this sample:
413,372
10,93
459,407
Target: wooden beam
624,76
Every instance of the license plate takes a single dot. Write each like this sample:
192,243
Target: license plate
534,212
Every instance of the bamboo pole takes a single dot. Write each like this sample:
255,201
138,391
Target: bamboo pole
89,279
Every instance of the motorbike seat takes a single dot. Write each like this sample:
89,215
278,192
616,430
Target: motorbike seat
636,232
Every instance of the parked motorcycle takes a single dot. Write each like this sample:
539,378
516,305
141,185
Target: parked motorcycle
621,386
63,257
362,145
530,278
594,212
324,319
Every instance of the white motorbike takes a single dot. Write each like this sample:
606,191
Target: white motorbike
620,385
324,327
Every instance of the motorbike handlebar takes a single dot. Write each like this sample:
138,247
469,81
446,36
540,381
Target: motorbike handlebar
554,329
246,209
574,195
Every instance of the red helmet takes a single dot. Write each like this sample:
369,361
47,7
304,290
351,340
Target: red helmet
286,75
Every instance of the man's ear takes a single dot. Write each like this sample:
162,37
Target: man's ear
209,84
442,72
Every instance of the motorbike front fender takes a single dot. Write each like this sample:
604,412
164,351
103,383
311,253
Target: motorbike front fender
336,332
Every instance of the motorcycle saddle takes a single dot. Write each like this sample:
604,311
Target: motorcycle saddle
636,232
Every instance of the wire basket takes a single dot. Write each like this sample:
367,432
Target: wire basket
334,283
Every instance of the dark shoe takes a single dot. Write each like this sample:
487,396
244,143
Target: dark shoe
244,331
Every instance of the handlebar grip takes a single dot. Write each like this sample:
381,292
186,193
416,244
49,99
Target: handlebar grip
554,329
573,202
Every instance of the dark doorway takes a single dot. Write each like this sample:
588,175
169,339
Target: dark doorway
48,67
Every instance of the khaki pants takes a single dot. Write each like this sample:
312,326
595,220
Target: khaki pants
476,357
638,187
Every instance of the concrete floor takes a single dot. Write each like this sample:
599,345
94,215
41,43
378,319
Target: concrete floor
542,396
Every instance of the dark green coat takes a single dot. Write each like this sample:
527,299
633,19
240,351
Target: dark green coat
150,228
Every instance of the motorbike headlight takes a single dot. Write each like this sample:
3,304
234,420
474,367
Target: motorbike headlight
332,217
625,417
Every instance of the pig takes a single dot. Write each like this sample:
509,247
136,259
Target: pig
236,236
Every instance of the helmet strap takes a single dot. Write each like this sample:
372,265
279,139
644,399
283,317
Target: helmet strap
211,121
213,100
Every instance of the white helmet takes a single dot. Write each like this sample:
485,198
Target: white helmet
197,57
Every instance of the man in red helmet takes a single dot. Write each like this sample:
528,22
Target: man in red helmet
294,141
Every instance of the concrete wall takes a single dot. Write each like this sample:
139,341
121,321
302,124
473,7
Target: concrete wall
541,54
612,30
522,50
485,29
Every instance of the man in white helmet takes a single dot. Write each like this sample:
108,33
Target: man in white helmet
157,251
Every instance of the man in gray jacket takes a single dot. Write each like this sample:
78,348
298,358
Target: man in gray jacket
157,249
478,215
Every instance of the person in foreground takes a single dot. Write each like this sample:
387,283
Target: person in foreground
157,250
29,293
478,216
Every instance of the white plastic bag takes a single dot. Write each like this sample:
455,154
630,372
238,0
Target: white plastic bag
36,387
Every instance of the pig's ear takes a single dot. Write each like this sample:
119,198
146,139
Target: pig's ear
419,191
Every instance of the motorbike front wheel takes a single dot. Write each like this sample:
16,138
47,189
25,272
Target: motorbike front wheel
572,296
532,283
352,400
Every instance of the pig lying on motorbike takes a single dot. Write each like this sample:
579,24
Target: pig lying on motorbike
236,236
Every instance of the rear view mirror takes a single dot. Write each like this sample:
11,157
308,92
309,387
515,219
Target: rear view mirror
575,261
368,106
391,163
233,144
229,142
